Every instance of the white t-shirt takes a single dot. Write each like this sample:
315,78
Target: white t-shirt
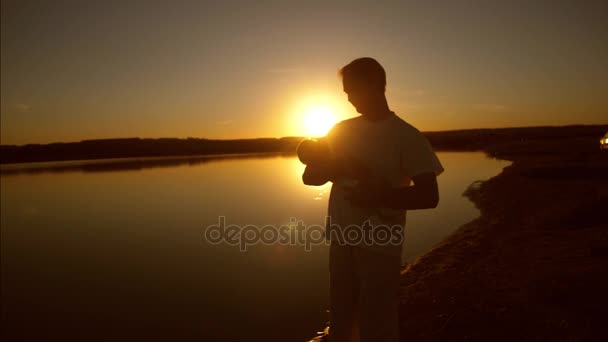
394,152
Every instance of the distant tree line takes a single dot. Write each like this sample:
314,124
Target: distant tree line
459,140
485,139
138,147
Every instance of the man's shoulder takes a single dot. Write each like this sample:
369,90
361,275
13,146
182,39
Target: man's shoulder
406,129
349,121
344,124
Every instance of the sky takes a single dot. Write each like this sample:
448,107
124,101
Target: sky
74,70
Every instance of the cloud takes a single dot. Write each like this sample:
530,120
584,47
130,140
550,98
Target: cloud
284,70
412,106
22,107
225,122
490,107
418,92
406,94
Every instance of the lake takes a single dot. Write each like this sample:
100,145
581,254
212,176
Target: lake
116,249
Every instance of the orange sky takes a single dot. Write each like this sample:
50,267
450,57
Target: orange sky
83,70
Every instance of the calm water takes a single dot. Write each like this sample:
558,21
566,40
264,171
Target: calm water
116,250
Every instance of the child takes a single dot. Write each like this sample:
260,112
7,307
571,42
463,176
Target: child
313,152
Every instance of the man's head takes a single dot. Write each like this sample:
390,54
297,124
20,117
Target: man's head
364,81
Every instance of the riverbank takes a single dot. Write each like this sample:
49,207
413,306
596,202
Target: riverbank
533,266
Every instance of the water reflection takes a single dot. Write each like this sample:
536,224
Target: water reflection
121,253
126,164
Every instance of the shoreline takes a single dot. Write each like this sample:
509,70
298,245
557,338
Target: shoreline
532,266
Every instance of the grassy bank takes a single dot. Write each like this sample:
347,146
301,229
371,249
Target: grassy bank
533,266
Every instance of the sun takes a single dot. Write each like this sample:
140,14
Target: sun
319,120
313,115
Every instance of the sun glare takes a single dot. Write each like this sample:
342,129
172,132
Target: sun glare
313,115
319,120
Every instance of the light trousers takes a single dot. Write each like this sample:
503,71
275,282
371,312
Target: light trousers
364,295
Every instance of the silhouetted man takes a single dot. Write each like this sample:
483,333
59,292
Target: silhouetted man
373,160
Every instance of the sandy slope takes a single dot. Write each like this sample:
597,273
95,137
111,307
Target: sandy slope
533,267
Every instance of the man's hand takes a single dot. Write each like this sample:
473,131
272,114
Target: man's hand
321,173
423,195
356,169
334,169
368,195
370,192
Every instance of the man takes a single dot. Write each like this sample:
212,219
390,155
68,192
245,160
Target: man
374,158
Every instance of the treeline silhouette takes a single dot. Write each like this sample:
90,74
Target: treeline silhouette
457,140
125,164
138,147
488,139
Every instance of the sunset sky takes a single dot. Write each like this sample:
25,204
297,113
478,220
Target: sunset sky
73,70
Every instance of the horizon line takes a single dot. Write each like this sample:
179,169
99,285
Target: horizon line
292,137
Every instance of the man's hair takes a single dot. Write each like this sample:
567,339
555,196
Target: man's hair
365,70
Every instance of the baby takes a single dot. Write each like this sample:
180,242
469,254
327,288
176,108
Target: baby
317,152
355,174
313,152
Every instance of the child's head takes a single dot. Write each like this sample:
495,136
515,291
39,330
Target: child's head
312,151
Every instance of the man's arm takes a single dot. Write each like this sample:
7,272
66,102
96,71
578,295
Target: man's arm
424,194
314,175
320,174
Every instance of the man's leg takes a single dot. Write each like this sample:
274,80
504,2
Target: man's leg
378,295
343,293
